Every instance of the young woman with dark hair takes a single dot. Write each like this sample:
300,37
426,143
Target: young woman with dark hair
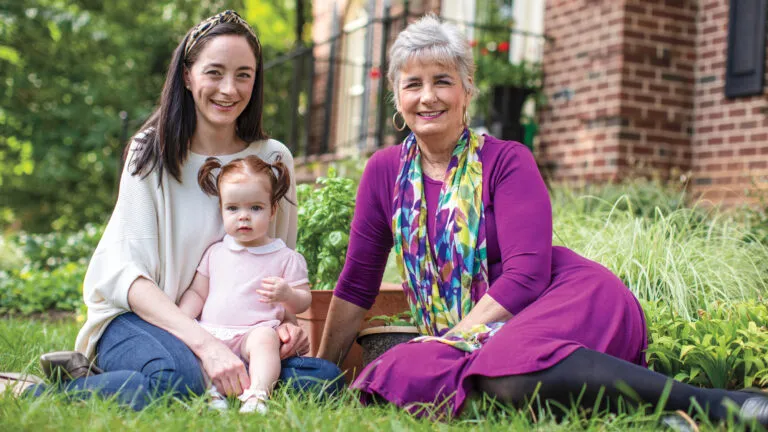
211,105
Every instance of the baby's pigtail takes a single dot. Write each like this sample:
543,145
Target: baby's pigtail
281,183
205,177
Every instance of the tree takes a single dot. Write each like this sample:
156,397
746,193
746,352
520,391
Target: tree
69,68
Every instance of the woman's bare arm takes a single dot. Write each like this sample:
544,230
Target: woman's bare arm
344,319
192,301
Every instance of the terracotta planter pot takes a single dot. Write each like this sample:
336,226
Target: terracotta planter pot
375,341
391,300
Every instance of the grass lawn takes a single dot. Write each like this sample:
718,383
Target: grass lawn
22,340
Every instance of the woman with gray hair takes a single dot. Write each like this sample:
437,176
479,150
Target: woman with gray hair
501,311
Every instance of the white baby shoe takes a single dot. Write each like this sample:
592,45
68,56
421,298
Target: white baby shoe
253,401
218,401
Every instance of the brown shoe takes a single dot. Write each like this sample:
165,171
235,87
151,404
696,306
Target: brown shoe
67,365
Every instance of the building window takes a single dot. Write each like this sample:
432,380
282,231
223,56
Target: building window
350,131
746,48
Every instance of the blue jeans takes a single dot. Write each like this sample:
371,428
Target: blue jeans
142,361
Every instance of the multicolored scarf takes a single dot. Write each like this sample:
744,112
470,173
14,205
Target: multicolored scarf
443,283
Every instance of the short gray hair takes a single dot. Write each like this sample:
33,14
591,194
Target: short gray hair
430,40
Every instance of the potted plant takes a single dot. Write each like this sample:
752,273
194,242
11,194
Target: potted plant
324,219
394,329
503,89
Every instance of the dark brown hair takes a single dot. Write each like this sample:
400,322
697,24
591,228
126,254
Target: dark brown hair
163,140
277,173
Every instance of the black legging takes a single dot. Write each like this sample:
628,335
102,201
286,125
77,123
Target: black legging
587,371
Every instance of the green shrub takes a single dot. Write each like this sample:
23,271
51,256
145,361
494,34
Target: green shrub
687,257
49,251
28,292
325,215
755,216
50,273
639,197
11,255
726,347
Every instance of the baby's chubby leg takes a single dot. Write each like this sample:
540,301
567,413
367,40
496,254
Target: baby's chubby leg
261,349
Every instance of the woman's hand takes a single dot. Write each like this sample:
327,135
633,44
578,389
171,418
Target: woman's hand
294,340
487,310
226,370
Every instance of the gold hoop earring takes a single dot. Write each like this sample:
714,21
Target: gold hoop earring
466,118
394,121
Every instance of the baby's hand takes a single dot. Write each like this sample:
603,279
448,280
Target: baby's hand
274,290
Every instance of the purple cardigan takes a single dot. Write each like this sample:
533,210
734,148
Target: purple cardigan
518,225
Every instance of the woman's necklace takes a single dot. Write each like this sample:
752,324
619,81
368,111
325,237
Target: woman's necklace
434,169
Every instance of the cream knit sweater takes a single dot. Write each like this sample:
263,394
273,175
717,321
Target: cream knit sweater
160,233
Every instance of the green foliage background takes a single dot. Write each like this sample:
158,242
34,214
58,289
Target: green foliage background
325,217
69,67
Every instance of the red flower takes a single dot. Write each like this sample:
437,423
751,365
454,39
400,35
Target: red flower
484,51
473,43
503,46
374,73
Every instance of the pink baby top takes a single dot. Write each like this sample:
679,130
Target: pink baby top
235,273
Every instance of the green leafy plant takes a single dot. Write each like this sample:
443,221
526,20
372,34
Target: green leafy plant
755,214
10,255
491,48
325,215
495,69
404,318
29,292
725,347
52,250
49,273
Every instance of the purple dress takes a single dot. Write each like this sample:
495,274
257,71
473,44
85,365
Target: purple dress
560,300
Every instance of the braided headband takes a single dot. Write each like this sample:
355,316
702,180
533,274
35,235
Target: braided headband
204,27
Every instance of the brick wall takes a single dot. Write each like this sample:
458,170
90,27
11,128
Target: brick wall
579,134
636,88
657,85
619,76
730,141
